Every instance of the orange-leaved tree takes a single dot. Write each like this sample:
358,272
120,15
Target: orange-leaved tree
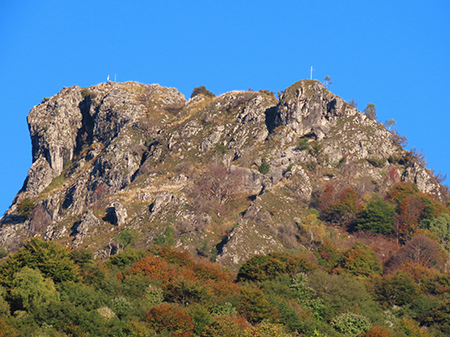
171,318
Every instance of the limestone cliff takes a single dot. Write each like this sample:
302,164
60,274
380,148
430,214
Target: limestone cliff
120,157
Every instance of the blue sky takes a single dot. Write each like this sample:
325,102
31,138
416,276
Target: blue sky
394,54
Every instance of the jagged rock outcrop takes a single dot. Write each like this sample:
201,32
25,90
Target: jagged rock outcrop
224,176
81,229
307,107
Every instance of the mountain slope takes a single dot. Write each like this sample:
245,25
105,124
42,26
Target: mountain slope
225,177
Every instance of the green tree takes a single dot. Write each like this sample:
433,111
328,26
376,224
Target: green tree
440,227
254,305
377,217
360,260
4,306
51,259
29,289
266,267
397,289
306,295
370,111
341,292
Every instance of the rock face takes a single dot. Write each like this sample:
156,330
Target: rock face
221,176
307,107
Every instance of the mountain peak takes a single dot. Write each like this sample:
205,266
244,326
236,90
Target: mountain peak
226,177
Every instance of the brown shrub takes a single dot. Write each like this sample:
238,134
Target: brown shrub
216,186
421,250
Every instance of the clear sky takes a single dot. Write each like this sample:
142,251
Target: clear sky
394,54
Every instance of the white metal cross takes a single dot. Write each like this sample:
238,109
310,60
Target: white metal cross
311,72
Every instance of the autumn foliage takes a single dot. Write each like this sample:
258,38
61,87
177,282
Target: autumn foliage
170,318
340,207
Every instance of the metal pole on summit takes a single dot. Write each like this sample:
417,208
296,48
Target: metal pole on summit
311,73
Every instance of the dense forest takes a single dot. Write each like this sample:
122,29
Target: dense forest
369,267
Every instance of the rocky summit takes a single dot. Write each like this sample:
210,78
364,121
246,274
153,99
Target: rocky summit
224,177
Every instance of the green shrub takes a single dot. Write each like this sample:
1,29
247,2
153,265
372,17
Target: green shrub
341,162
154,295
307,296
376,162
266,267
423,309
377,217
75,321
25,206
289,168
82,295
4,306
3,252
350,324
394,159
81,257
128,237
360,260
267,92
303,144
341,292
84,92
121,306
370,111
201,90
221,148
126,258
311,166
166,238
408,327
329,256
224,309
266,329
398,289
264,168
200,316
